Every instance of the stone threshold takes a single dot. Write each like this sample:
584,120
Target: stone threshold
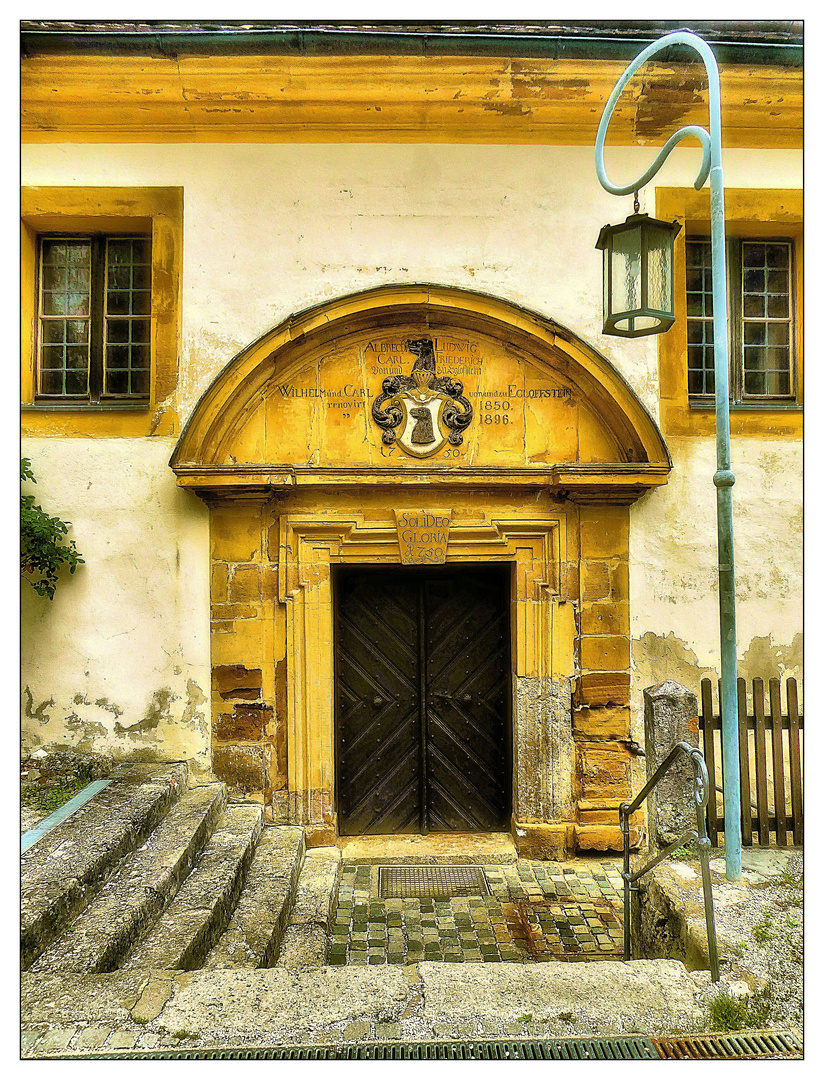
459,848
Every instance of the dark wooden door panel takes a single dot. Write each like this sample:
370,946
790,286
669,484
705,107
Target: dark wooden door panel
466,688
422,688
379,746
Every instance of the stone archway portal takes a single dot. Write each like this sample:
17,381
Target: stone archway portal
316,442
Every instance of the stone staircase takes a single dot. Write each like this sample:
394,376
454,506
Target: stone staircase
145,912
153,873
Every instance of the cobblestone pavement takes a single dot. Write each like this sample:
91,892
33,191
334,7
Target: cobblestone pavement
535,911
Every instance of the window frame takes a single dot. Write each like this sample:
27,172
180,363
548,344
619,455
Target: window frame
736,319
122,211
758,213
97,319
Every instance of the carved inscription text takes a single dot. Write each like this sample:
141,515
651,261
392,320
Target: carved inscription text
423,535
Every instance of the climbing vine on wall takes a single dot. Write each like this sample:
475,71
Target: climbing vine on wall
43,553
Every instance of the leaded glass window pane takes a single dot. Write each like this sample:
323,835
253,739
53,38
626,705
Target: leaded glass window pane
94,317
65,290
760,311
127,361
765,305
700,355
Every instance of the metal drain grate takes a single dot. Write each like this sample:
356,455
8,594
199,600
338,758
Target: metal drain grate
431,882
751,1044
621,1048
762,1044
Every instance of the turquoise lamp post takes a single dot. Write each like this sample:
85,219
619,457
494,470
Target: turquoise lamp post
643,321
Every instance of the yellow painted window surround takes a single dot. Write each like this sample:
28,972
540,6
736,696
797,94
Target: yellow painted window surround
113,210
749,212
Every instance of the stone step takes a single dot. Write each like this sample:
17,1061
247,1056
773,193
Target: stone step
459,849
307,935
67,866
253,937
342,1006
197,916
132,900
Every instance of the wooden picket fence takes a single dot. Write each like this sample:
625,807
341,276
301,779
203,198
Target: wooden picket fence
770,752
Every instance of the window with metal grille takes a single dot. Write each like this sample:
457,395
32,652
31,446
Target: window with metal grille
94,319
760,299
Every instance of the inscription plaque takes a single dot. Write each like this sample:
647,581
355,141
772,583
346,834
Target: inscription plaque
423,536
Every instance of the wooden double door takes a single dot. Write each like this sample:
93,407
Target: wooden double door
423,700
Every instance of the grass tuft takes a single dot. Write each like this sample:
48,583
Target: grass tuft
763,931
728,1013
52,797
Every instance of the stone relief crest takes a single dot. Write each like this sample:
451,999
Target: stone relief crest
423,411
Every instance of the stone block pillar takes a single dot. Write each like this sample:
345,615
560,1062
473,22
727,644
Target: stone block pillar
670,716
248,736
601,713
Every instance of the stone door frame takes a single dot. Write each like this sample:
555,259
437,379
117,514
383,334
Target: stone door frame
308,548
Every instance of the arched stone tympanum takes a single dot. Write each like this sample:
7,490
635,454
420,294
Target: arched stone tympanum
300,398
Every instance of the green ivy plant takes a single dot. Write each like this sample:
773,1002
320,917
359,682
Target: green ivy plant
43,553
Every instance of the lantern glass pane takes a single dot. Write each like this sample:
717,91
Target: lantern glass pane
626,270
644,322
659,282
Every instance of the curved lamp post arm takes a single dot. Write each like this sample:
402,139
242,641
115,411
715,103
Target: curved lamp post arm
710,141
627,189
723,478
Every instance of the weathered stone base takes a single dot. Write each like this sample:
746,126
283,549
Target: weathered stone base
559,841
604,837
320,836
552,842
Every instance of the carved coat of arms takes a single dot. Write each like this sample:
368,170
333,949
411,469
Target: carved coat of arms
423,411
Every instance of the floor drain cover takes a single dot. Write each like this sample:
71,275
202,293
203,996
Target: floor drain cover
749,1044
432,882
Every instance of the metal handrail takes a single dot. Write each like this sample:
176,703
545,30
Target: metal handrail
701,796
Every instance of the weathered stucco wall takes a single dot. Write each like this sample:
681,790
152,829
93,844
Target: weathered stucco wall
119,660
274,229
674,559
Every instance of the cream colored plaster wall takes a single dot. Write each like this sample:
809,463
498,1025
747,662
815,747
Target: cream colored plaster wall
273,229
673,565
119,660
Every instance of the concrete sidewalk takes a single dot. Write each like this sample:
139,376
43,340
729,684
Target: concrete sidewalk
759,922
350,965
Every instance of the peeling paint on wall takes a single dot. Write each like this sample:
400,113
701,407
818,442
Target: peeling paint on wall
157,711
85,732
101,703
194,697
39,713
658,658
104,703
764,660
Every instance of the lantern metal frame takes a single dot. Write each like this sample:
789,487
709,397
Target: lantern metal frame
724,478
642,223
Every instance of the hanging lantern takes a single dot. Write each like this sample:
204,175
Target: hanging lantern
638,292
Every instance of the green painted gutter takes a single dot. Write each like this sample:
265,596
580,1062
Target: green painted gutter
773,44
